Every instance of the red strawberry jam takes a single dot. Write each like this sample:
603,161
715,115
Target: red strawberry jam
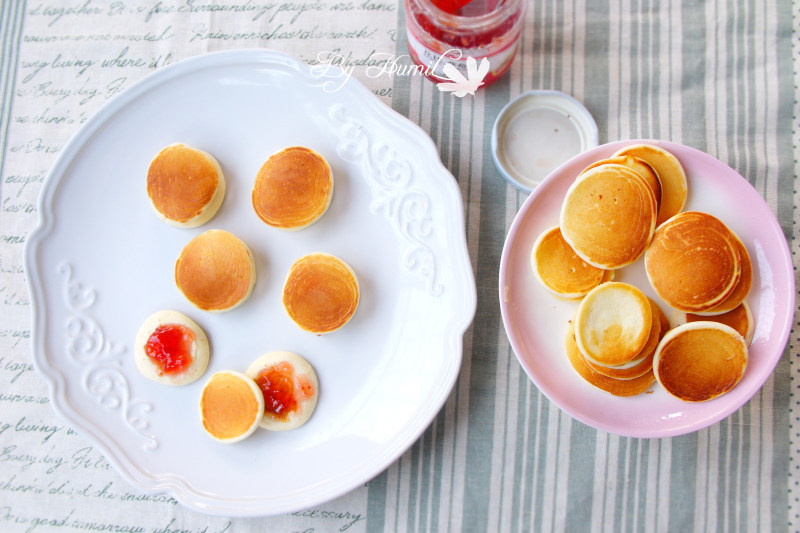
283,390
170,348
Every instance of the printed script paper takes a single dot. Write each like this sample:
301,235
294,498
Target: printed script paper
72,58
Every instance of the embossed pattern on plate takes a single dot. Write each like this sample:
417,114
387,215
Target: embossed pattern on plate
100,262
536,321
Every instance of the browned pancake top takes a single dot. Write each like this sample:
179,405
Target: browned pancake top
693,262
229,406
215,271
293,188
561,269
634,163
608,216
321,293
671,176
181,182
700,361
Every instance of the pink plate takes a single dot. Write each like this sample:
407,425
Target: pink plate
536,321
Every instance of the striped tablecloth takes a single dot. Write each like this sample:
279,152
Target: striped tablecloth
719,76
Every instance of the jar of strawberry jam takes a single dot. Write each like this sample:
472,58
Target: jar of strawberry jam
442,32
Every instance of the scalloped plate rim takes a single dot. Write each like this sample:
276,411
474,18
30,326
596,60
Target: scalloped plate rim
174,484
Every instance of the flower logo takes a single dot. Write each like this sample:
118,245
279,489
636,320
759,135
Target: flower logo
461,86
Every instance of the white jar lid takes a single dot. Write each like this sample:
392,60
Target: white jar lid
538,131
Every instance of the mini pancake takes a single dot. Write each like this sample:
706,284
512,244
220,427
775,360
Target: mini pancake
170,348
289,386
742,288
634,163
559,268
608,216
185,185
693,262
613,323
617,387
643,362
293,188
216,271
321,293
671,175
740,318
231,406
699,361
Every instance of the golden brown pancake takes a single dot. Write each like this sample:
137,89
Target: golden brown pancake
742,288
321,293
613,323
643,362
185,185
671,175
608,216
559,268
231,406
693,262
293,188
699,361
215,271
617,387
634,163
740,318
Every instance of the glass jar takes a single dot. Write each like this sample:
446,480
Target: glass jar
482,29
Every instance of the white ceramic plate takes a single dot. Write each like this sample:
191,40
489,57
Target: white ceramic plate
100,262
536,321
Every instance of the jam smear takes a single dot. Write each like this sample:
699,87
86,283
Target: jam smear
283,390
170,347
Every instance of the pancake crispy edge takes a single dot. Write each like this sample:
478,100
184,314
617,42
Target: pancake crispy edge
743,286
739,318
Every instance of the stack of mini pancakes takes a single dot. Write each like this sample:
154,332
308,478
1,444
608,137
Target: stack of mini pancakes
613,338
621,209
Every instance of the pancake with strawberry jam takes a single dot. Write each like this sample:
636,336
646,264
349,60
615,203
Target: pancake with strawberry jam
170,348
290,388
